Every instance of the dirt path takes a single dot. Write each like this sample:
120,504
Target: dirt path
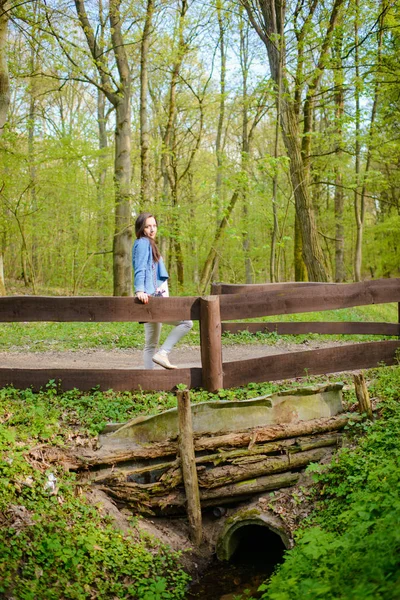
183,356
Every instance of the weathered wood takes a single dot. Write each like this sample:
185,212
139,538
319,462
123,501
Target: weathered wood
293,445
188,465
328,328
229,474
228,494
269,433
249,487
307,298
155,469
110,475
310,362
105,379
362,394
98,308
240,288
398,314
275,432
211,344
174,501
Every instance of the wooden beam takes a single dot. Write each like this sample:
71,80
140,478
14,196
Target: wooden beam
239,288
211,344
327,328
299,299
105,379
99,309
310,362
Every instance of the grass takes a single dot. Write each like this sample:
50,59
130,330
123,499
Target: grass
57,337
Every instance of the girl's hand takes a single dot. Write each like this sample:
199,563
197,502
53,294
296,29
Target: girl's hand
143,297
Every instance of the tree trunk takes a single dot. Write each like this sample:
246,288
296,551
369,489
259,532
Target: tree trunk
358,207
122,247
144,124
4,78
274,276
221,115
340,272
120,98
359,198
300,271
244,64
168,161
208,265
266,16
101,175
4,104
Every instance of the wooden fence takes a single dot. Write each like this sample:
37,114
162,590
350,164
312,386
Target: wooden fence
227,302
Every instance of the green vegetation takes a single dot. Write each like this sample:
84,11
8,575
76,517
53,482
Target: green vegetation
55,545
59,543
211,147
349,549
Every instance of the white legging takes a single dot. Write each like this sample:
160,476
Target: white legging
152,335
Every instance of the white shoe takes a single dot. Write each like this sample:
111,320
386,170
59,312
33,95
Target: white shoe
162,360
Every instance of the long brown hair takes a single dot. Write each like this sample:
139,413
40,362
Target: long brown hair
140,224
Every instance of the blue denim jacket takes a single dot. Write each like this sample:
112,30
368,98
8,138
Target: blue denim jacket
142,261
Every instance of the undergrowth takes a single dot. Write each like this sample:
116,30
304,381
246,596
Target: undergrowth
350,547
53,543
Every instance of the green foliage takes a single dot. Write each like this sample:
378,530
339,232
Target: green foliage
54,544
349,549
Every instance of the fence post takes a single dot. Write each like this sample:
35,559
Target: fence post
364,401
188,464
211,344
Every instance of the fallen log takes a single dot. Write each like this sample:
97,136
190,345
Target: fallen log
174,501
292,445
232,473
153,472
120,454
276,432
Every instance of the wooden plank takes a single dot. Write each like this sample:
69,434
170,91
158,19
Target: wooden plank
98,308
211,344
310,362
104,379
298,299
293,328
239,288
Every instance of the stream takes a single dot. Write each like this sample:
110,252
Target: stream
255,559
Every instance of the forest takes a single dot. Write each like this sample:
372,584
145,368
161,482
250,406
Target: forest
263,134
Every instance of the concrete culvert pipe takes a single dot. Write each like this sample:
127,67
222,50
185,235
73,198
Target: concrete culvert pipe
251,535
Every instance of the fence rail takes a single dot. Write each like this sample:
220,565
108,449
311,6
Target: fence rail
228,302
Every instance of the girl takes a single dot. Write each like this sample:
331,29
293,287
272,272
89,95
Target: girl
151,279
